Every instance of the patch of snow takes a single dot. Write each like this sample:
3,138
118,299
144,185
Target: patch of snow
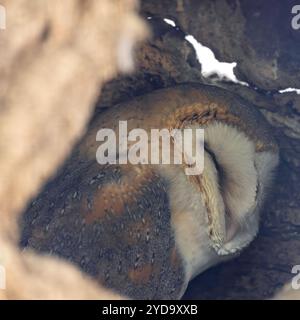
170,22
210,65
290,90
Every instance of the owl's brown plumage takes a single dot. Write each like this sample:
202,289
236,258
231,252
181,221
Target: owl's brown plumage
146,230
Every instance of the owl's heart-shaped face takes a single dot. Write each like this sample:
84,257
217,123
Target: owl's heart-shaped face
236,177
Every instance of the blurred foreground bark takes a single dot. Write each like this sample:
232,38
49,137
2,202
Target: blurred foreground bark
55,56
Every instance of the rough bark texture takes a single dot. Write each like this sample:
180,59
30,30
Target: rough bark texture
55,56
256,34
163,61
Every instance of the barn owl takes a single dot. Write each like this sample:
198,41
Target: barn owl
146,230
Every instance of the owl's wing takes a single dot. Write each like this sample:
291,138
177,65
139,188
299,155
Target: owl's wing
114,223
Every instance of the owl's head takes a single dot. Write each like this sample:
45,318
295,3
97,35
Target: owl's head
238,172
240,157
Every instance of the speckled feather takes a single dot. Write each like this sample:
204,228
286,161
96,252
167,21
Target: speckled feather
115,229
